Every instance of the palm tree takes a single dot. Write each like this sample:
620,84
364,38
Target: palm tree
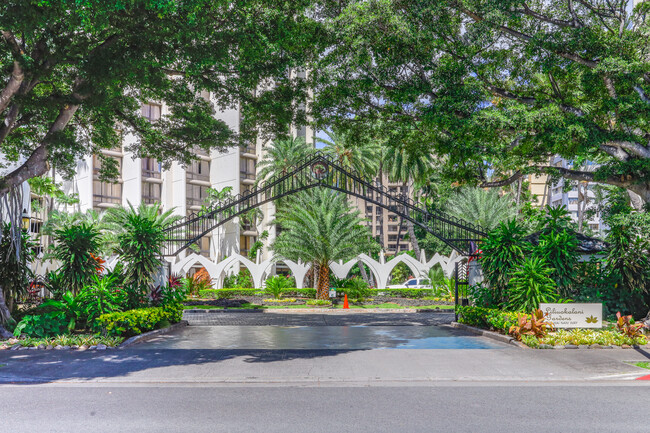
408,165
360,157
320,227
139,236
281,156
484,207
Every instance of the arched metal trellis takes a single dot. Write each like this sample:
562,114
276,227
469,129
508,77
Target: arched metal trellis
320,170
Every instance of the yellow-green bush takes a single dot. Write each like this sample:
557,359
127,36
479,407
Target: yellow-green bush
134,322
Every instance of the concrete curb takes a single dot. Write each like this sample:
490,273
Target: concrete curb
489,334
148,335
320,310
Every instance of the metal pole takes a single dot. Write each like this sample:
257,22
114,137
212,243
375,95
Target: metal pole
456,291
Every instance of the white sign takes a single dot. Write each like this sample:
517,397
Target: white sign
332,293
574,315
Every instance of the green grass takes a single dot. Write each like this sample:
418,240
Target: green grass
643,364
433,307
3,365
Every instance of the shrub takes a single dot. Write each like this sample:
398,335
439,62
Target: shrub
357,288
241,280
134,322
626,326
193,286
534,325
42,325
70,306
318,302
76,247
405,293
484,296
531,285
578,337
230,293
99,298
486,318
280,301
276,285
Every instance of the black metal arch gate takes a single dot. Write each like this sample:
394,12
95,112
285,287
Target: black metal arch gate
320,170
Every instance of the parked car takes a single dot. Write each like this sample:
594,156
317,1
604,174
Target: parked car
413,283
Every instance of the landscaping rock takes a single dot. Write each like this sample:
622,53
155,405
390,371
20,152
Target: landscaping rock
33,348
92,347
583,346
23,348
49,347
83,347
558,347
74,346
4,347
58,347
545,346
12,341
570,346
66,347
15,347
608,347
101,347
595,346
625,346
41,347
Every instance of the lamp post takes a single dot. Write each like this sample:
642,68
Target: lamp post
25,220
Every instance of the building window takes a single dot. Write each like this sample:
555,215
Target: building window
247,168
196,194
199,170
151,112
105,192
151,192
151,168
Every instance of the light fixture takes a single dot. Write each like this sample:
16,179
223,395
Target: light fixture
25,220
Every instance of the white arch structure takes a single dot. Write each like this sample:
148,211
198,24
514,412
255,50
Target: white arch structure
260,271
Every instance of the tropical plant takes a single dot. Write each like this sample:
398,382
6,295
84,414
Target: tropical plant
531,285
534,325
70,306
357,289
559,251
15,268
485,296
42,325
276,284
282,156
76,247
101,296
362,157
409,166
503,251
482,206
626,326
139,235
240,280
193,286
319,227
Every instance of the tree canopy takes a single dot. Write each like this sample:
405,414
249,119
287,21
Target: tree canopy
496,88
74,75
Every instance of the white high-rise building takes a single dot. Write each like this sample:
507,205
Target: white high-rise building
181,188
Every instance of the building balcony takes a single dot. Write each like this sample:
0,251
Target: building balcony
200,177
249,152
151,176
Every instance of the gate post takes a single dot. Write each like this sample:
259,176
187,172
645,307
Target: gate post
456,291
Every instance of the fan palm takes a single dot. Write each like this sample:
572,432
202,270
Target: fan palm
406,165
360,157
320,227
139,235
484,207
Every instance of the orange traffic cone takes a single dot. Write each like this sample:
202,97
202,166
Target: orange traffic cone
345,301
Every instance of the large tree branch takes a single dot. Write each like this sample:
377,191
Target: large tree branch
560,23
631,147
37,163
16,79
504,182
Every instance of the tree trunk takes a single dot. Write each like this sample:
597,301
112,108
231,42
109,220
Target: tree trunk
5,315
362,270
323,281
519,192
581,213
414,241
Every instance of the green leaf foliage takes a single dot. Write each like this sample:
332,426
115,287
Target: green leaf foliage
76,247
134,322
531,285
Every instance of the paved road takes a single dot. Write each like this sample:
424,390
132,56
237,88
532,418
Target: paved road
484,408
333,318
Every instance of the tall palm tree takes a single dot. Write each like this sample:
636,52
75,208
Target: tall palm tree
408,166
484,207
281,156
320,227
361,157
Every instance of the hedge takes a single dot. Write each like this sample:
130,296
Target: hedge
231,293
311,293
487,318
134,322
